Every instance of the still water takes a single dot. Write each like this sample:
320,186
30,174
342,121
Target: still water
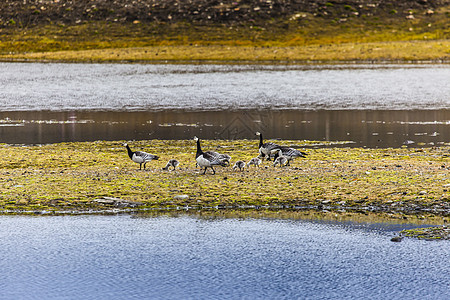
369,105
123,257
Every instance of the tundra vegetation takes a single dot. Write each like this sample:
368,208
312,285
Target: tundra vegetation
406,183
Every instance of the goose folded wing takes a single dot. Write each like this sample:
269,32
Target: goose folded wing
145,156
287,151
213,157
271,146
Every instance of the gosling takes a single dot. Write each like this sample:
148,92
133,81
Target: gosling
282,160
171,163
254,161
239,164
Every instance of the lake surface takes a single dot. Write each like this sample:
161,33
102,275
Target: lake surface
369,105
123,257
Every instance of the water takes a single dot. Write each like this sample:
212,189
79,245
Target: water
370,105
119,87
121,257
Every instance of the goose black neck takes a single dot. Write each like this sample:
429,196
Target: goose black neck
130,153
199,149
260,141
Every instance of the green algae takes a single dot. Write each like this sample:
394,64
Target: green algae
428,233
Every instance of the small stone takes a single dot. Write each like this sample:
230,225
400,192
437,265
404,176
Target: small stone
181,197
422,192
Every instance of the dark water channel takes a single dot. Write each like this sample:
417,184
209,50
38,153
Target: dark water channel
360,128
122,257
369,105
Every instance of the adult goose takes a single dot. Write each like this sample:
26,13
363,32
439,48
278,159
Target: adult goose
140,157
223,157
207,159
289,153
265,149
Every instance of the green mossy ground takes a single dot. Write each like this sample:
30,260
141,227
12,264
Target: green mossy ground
69,177
428,233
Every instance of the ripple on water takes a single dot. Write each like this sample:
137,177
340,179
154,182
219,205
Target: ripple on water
92,257
118,87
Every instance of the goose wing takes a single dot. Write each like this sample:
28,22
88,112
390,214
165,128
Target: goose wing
222,157
213,158
270,146
145,156
291,152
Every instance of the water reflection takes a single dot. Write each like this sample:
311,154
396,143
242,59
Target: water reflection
118,257
362,128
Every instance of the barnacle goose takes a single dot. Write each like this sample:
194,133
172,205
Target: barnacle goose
208,158
254,161
289,153
140,157
171,163
239,164
266,148
223,157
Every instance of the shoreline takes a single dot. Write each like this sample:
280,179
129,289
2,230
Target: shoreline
402,52
238,62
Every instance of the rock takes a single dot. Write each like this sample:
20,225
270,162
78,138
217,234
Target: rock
107,200
117,202
181,197
396,239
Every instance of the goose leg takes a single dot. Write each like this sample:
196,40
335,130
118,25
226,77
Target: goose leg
144,165
214,171
140,166
204,171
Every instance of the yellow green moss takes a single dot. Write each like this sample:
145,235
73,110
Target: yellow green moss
71,176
